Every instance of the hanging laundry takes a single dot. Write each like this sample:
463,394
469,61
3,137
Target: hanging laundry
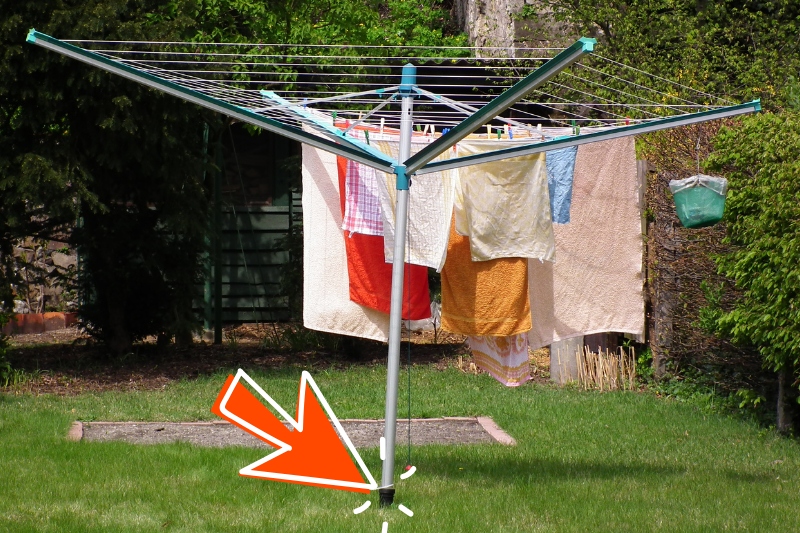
362,209
560,173
505,358
326,290
371,276
596,284
505,206
485,297
430,204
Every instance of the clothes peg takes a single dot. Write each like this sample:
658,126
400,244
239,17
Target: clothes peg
334,117
366,136
505,127
433,130
488,131
425,130
510,132
499,134
383,121
417,127
305,103
627,121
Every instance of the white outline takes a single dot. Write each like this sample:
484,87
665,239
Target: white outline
385,527
383,448
408,474
361,509
250,470
405,510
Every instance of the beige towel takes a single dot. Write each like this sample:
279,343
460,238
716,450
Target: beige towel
326,288
596,283
504,206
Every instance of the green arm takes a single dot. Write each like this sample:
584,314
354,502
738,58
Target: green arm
564,142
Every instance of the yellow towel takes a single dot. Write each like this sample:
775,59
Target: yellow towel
485,297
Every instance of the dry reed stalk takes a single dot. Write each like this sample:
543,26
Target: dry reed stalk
606,370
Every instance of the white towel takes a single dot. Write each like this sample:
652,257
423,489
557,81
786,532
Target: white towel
596,284
504,206
430,205
505,358
326,289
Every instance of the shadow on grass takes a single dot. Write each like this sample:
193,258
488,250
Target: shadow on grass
504,469
511,469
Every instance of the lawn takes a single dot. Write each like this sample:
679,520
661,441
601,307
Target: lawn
585,461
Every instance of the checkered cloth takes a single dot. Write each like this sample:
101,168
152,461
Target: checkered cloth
362,208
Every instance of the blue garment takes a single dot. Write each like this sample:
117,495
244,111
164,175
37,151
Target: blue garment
560,171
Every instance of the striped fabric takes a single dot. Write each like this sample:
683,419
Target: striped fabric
362,210
505,358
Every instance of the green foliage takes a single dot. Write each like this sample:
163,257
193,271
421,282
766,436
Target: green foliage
77,142
644,366
709,315
761,158
744,50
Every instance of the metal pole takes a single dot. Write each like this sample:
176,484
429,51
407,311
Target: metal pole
386,490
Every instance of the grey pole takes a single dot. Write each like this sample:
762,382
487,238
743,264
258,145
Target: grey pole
386,490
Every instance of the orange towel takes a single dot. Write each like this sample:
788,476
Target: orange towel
371,276
483,297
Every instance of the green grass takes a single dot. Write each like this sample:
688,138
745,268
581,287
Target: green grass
584,461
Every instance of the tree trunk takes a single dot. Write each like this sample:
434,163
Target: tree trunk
118,338
785,421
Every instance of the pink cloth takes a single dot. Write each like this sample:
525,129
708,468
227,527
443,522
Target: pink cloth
362,208
505,358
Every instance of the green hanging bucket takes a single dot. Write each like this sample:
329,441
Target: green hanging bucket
699,200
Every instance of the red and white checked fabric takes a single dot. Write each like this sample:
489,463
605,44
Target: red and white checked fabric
362,208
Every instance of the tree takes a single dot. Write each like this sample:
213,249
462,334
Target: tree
127,160
761,158
734,48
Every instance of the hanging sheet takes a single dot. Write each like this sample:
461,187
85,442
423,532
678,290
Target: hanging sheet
483,297
504,206
596,284
371,276
326,290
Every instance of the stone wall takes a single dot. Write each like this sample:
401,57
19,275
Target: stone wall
47,271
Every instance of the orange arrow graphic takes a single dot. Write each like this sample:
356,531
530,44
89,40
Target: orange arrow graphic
309,452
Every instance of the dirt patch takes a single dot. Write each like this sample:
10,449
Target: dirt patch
362,433
67,362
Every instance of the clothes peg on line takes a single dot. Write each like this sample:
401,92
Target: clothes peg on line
383,121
